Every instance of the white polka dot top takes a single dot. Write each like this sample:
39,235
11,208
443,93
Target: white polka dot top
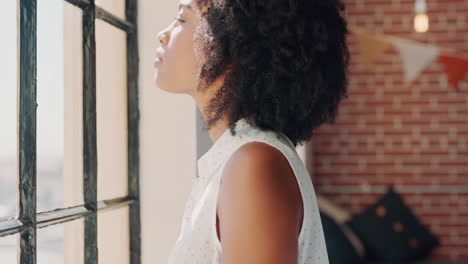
198,242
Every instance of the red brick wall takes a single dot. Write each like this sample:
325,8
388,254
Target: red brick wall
389,132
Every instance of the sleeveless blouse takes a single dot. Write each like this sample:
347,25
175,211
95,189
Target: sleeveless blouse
198,242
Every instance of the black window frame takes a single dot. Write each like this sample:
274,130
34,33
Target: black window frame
29,219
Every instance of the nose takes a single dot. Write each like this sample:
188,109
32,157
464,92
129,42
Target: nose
163,37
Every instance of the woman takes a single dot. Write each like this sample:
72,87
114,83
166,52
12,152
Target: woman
264,75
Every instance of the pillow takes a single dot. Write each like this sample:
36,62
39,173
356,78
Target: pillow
340,250
391,232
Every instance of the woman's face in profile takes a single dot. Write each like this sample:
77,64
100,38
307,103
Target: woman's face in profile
177,68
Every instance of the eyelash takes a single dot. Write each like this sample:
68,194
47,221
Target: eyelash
179,19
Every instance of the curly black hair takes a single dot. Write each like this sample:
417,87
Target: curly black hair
285,63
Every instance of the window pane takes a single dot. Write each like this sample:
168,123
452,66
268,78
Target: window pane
61,243
9,248
111,108
113,236
50,244
73,99
116,7
50,112
8,110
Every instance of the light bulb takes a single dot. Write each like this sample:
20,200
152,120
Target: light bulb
421,22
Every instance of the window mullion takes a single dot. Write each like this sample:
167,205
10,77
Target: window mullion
113,20
89,135
133,117
27,130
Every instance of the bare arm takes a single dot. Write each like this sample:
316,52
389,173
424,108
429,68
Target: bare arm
259,207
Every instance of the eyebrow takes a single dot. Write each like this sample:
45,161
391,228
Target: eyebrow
188,6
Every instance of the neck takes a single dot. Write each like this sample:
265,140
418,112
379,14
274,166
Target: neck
202,99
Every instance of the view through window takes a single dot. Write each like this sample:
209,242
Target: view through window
69,101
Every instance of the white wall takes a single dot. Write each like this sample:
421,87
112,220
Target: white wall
167,142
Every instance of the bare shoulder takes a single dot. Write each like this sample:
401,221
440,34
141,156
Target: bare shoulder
259,206
264,167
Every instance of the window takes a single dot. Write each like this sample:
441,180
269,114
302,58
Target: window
73,123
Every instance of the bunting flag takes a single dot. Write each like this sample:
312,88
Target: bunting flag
415,56
455,67
371,47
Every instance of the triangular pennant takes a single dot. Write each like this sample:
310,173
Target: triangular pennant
415,56
371,47
454,66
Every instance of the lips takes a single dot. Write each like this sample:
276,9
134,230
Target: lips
156,62
158,59
159,55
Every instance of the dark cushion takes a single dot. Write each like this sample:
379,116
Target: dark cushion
339,248
391,232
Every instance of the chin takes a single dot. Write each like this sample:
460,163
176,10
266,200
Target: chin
157,81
